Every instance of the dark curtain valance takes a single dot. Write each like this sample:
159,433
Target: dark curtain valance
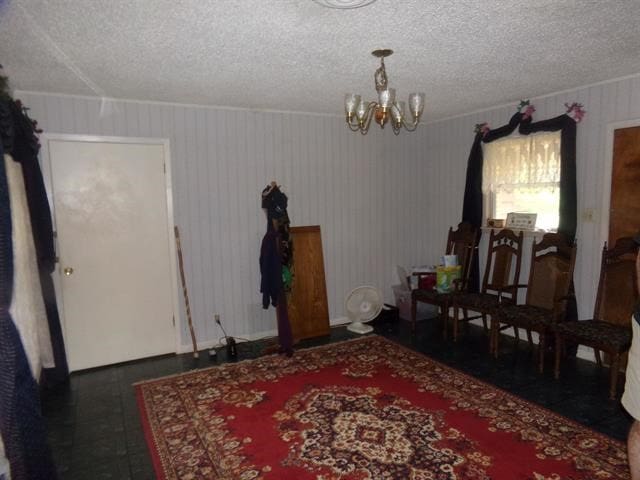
472,206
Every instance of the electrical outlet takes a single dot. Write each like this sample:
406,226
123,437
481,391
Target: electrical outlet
216,317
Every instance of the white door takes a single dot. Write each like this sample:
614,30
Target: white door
115,262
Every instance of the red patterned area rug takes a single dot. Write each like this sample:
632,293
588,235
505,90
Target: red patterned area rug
361,409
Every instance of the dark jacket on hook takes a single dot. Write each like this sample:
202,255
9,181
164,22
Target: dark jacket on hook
270,269
275,250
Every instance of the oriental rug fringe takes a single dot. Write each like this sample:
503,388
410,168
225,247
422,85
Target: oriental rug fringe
355,410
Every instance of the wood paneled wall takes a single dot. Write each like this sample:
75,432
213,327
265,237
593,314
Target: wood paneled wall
445,147
381,200
221,161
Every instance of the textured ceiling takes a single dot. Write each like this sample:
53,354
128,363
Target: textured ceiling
296,55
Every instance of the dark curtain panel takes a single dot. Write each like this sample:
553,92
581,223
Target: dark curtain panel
472,207
21,423
24,148
568,188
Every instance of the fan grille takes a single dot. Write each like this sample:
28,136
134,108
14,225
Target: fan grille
364,303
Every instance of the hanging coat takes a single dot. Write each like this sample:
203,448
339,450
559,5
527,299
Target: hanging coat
276,254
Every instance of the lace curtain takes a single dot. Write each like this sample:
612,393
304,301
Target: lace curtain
516,163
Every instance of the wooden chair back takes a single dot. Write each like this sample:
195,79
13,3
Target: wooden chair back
502,272
462,242
617,288
552,262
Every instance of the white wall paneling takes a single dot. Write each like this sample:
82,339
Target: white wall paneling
221,161
444,146
380,199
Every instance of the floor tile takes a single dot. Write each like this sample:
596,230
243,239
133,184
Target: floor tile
95,430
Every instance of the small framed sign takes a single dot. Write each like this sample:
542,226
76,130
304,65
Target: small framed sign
521,221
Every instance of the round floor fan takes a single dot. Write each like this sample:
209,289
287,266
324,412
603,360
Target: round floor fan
363,304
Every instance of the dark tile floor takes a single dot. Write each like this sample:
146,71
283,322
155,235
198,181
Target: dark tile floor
95,430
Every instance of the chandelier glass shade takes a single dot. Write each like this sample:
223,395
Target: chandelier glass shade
387,109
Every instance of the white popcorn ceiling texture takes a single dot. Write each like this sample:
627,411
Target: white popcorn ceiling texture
296,55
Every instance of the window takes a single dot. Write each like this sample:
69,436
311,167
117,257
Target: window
522,174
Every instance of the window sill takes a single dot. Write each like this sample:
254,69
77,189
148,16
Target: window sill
537,234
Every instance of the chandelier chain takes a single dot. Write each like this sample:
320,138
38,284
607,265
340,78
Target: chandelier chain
380,77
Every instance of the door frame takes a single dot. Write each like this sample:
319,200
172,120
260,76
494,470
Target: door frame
45,160
605,203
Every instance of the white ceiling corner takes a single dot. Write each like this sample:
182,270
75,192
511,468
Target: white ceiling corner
297,55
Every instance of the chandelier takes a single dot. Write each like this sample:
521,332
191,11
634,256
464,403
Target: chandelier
360,112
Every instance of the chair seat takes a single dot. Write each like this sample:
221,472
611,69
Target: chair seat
527,316
597,333
431,296
476,301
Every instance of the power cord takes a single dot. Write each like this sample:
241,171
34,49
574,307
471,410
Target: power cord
231,343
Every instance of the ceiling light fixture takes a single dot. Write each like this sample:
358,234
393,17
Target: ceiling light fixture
360,112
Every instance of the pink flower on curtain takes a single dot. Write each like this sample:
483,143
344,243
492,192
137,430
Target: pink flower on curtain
575,111
528,112
482,128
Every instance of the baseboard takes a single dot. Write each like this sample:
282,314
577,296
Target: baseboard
249,337
584,352
336,322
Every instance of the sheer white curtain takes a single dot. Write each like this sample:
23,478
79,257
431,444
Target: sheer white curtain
522,162
522,174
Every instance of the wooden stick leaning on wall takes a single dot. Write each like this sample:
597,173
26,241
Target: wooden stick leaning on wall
184,292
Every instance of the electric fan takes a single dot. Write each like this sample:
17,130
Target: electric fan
363,304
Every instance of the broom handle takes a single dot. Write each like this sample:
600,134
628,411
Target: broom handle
184,291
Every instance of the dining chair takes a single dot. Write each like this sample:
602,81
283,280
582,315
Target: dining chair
550,275
609,330
502,271
461,242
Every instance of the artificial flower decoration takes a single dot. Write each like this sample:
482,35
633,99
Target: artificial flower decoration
25,111
528,109
482,128
575,111
528,112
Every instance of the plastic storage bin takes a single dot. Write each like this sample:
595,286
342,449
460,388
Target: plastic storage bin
403,301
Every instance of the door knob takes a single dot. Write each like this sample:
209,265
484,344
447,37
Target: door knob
68,271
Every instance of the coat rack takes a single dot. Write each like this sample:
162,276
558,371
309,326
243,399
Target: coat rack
276,261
